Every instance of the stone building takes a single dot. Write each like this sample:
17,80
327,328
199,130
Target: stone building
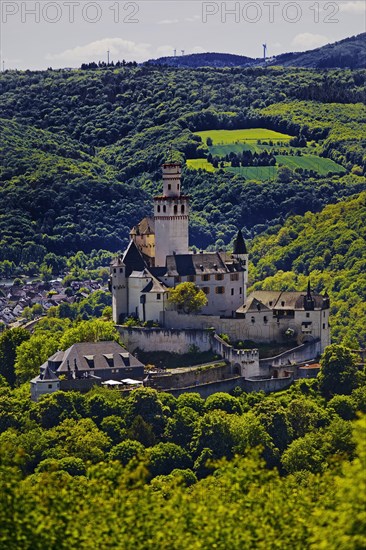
84,364
158,258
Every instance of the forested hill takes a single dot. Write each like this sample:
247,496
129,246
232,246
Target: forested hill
208,59
348,53
81,153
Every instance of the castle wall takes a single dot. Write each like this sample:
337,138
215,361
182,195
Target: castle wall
266,385
192,377
264,329
159,339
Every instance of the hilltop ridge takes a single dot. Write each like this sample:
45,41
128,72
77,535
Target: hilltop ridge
347,53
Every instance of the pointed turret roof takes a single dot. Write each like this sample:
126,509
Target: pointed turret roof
239,244
48,374
133,259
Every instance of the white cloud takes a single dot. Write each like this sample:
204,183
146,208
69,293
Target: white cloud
95,51
168,21
353,7
308,41
194,19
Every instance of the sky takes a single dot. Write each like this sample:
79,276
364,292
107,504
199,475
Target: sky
65,33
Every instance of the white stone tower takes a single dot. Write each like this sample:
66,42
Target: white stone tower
118,287
171,214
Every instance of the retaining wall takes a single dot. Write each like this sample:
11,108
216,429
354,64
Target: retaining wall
159,339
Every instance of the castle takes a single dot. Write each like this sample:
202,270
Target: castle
157,259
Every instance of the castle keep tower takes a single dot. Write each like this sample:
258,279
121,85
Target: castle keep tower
171,213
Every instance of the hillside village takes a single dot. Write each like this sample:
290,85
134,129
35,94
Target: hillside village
16,297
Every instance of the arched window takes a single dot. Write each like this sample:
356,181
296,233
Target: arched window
182,208
164,208
158,207
175,209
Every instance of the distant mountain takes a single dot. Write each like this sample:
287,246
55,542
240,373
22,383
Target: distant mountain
349,53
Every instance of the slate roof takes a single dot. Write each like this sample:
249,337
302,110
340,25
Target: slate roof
132,259
91,356
154,286
281,301
195,264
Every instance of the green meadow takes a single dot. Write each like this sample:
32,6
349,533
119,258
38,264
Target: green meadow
196,164
237,141
311,162
223,137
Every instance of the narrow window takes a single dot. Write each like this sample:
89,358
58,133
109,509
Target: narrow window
240,290
164,208
169,187
232,292
307,314
182,208
175,209
158,207
158,296
323,325
265,319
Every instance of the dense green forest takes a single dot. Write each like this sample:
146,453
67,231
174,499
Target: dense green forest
81,153
82,150
146,469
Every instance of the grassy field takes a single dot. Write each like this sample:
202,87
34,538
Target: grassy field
236,141
311,162
222,150
223,137
195,164
260,173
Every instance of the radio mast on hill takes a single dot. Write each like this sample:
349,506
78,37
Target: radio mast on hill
264,51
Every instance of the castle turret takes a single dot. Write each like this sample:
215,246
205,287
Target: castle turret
171,214
240,254
118,287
